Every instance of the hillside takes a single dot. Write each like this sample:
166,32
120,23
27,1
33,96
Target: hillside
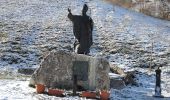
155,8
29,29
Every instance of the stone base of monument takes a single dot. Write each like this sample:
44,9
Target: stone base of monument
58,68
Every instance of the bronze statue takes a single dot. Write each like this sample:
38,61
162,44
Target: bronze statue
82,29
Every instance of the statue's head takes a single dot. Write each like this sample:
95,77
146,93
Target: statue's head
85,8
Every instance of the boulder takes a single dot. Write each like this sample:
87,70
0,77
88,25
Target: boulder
116,81
58,67
117,70
127,77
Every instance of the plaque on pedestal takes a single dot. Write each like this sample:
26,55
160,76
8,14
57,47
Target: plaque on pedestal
80,69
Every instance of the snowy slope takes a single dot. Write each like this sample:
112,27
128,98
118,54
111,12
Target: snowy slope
32,28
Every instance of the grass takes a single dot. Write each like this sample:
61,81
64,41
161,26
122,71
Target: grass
3,37
124,3
7,74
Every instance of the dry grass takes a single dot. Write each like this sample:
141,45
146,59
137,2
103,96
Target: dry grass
148,9
124,3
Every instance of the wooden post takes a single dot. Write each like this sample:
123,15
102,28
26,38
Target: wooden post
151,58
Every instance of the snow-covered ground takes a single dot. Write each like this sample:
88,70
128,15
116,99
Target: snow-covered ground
31,28
19,90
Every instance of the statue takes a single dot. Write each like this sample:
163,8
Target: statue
82,29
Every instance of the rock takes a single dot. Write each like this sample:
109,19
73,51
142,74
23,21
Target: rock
11,58
57,69
115,69
113,51
26,71
117,83
129,78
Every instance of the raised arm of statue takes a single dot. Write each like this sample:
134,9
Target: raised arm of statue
70,15
84,10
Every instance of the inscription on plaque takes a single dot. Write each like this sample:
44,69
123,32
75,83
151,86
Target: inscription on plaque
80,69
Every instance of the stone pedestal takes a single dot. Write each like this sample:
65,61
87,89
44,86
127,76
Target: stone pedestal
58,68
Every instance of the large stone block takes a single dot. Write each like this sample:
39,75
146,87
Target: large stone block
58,67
